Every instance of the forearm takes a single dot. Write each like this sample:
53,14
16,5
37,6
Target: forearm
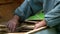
53,17
15,17
27,9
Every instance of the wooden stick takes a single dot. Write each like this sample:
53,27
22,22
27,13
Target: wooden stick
16,33
3,26
30,32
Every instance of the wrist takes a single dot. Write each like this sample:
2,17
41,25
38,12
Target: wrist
44,23
16,17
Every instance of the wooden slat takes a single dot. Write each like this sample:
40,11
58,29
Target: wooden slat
36,30
2,26
17,33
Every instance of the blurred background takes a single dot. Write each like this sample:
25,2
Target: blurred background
7,8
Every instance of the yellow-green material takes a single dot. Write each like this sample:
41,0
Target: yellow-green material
38,16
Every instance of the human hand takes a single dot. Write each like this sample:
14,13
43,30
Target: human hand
12,24
40,24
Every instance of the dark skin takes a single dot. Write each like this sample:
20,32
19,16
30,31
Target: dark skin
12,24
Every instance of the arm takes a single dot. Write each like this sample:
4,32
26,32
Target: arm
53,17
28,8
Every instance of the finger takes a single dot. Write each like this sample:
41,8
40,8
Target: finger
36,26
7,25
10,26
13,29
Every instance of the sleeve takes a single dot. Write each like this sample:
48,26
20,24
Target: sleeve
53,17
28,8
